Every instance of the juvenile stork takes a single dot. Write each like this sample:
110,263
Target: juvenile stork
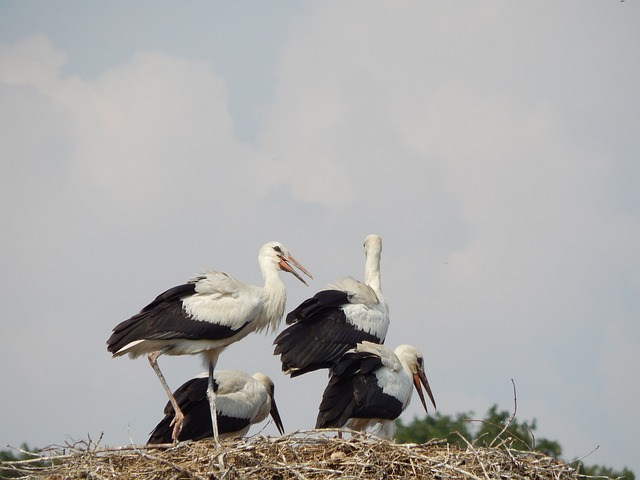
371,385
242,400
206,315
323,327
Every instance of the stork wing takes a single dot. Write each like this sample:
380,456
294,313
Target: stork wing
322,336
211,307
316,307
357,291
192,400
354,392
340,398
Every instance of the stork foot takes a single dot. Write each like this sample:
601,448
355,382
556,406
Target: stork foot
176,423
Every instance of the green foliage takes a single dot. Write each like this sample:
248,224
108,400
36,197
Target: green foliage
11,456
462,428
602,471
521,433
435,426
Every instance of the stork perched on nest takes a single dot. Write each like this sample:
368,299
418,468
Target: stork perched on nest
372,385
323,327
206,315
242,400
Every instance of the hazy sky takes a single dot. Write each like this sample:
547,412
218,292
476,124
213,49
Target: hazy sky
493,145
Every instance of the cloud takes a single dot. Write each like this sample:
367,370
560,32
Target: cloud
396,116
464,136
139,165
31,61
154,124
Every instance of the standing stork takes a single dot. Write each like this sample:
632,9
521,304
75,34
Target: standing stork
206,315
242,400
372,385
325,326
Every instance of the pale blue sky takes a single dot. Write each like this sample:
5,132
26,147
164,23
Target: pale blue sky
493,146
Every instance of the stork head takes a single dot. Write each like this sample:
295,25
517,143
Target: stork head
270,388
373,247
372,255
278,253
372,241
413,362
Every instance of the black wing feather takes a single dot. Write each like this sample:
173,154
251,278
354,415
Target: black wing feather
194,403
318,335
353,392
165,319
316,305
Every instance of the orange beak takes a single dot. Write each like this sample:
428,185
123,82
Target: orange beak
420,380
285,264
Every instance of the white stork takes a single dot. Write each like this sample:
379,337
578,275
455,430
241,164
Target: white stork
325,326
242,400
206,315
371,385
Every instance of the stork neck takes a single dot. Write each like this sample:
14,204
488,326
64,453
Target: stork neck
270,275
274,286
274,297
372,270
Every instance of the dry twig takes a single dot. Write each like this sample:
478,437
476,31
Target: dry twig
304,455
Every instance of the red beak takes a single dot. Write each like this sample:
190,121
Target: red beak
285,264
420,380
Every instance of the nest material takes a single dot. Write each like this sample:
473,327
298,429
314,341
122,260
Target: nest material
307,455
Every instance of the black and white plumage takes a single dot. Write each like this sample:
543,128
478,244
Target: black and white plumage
372,385
325,326
242,400
206,315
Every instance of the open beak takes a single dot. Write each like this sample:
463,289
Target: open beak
276,416
420,380
286,265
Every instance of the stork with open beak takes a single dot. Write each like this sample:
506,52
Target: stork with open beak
372,385
205,315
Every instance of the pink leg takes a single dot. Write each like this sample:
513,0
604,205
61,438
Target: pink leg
179,416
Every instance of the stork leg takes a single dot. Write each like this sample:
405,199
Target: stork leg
179,416
211,395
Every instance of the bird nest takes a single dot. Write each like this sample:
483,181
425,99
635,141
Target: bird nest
309,455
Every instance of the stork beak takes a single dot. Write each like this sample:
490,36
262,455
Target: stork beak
285,264
276,416
419,380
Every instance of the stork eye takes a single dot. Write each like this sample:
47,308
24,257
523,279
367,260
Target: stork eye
277,249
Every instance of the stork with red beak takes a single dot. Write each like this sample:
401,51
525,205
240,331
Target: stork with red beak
372,385
205,316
